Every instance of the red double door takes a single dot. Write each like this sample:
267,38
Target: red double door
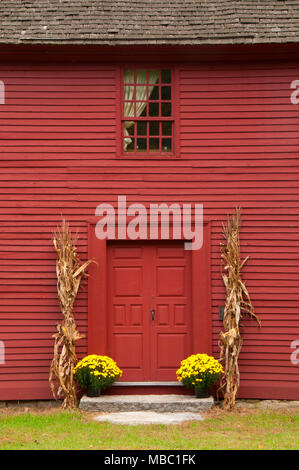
149,308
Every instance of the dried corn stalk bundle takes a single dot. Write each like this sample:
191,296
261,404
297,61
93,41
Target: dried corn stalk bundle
237,303
69,271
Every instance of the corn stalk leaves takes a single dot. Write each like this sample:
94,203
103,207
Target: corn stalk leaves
237,304
70,272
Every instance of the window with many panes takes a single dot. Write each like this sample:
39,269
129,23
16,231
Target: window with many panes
147,116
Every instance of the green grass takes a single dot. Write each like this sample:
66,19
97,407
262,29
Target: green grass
61,430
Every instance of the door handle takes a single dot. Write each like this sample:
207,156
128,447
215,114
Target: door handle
153,314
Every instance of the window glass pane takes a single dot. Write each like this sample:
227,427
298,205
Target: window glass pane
140,76
141,109
141,93
141,144
166,92
166,128
129,76
129,144
129,108
141,128
129,92
154,128
154,144
166,145
166,109
129,127
166,76
153,93
154,109
153,76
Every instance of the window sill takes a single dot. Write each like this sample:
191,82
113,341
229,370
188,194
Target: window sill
149,156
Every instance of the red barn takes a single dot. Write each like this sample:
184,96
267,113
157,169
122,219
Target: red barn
179,103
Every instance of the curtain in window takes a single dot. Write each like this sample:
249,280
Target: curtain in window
140,95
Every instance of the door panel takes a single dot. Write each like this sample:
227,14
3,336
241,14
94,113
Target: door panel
149,294
171,295
128,280
127,303
128,349
171,349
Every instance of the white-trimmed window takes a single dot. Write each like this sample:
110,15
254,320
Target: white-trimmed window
147,111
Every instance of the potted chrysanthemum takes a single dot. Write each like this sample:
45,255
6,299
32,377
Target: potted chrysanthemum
199,372
95,373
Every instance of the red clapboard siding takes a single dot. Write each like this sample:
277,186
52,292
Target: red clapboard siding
239,143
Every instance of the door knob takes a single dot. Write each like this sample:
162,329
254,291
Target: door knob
153,313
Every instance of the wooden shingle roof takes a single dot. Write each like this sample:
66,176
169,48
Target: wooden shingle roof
149,21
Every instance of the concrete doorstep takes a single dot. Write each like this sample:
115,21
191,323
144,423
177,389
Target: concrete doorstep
147,417
146,409
160,403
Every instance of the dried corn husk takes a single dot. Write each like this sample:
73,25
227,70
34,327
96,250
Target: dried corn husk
237,304
69,271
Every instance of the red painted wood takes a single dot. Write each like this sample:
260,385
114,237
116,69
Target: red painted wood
222,54
148,390
97,319
129,309
201,296
146,277
171,289
238,137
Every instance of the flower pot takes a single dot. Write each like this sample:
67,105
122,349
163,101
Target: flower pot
202,392
91,392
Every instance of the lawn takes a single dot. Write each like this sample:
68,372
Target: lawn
55,429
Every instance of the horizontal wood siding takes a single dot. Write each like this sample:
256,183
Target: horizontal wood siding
239,131
239,146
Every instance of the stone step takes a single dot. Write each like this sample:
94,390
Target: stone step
158,403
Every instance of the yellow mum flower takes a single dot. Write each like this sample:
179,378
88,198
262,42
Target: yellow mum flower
97,371
199,370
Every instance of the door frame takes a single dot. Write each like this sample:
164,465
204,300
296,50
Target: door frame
97,293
